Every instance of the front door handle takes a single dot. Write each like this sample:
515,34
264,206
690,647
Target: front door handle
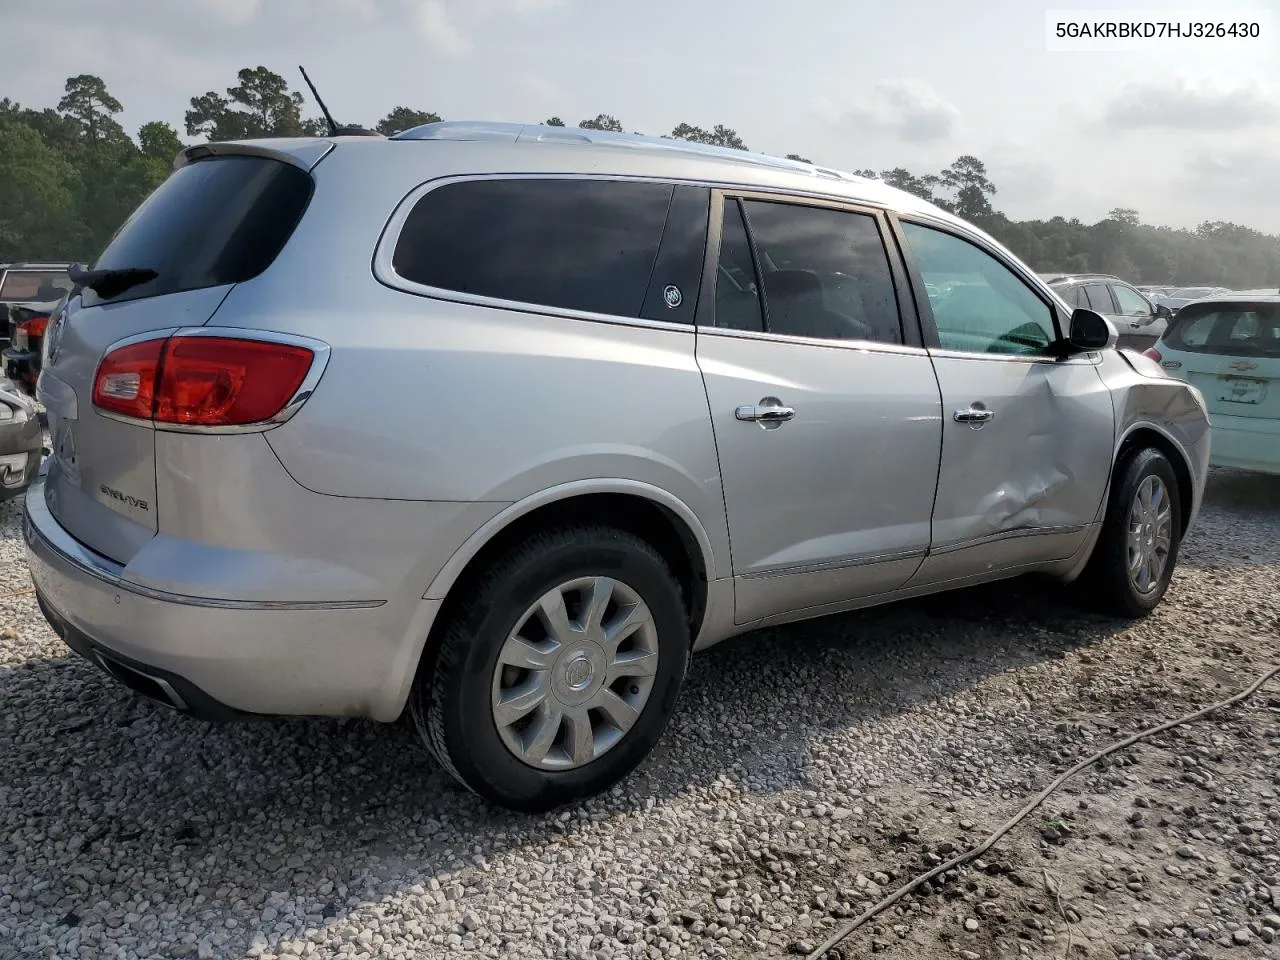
976,415
770,410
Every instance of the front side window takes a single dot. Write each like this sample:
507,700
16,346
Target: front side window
587,245
825,272
980,305
1132,303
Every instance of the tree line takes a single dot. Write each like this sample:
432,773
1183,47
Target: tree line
71,174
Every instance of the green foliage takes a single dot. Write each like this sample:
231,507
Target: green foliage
717,136
403,118
602,121
88,104
796,156
260,105
38,192
70,176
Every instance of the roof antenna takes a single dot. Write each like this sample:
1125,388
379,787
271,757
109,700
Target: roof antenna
334,129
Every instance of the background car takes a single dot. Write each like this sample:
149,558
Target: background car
1230,350
1179,297
1137,319
21,441
29,293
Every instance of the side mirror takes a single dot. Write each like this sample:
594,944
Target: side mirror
1162,312
1090,331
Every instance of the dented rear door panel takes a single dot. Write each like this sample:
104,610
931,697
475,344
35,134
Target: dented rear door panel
1025,486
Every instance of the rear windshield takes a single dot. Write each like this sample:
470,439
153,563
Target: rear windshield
212,222
1236,331
34,285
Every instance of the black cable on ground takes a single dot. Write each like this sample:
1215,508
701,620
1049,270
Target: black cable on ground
845,929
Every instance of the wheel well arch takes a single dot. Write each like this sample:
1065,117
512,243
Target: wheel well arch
684,546
1142,437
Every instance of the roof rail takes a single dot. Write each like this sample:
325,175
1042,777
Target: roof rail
538,133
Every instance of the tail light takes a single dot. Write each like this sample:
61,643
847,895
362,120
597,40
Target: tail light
1153,353
28,329
201,381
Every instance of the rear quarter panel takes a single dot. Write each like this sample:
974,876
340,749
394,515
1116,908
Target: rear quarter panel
431,400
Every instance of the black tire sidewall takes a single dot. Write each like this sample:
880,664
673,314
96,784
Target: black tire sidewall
462,709
1125,598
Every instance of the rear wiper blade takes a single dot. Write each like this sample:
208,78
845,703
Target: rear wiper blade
110,283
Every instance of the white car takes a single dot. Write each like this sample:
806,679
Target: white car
1230,350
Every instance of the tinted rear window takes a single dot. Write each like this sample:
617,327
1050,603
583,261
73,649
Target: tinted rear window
35,285
216,221
1253,331
585,245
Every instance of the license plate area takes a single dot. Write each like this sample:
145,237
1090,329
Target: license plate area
1241,390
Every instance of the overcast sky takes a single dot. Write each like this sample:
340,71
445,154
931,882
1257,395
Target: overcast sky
1182,135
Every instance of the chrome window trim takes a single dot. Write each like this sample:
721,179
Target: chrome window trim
861,346
43,531
384,271
1092,358
319,363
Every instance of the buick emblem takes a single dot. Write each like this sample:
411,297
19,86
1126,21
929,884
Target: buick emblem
672,296
577,674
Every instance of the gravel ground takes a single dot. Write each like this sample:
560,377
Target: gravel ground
808,769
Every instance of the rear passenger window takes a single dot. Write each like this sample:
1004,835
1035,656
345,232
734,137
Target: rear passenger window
737,294
1099,298
588,245
825,272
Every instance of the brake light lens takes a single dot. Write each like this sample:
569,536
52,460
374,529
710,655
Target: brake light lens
27,329
126,379
1153,353
201,381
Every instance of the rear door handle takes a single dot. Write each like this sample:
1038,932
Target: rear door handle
767,411
974,415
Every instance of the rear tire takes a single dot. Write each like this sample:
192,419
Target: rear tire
1137,549
558,674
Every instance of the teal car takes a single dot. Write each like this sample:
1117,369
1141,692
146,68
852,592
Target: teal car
1230,350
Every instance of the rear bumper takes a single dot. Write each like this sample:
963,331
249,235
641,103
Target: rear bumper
217,658
1246,443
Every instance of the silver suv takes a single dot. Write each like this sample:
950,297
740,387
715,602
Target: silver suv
496,424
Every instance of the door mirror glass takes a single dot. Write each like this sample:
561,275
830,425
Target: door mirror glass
1091,331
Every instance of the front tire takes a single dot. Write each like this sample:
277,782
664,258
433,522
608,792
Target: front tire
1134,558
558,675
